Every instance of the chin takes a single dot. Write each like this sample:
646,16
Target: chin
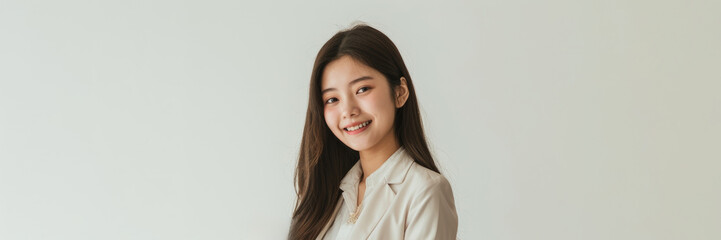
359,146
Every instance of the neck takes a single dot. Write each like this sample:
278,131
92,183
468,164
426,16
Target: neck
371,159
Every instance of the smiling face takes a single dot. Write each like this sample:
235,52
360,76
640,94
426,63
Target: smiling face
358,106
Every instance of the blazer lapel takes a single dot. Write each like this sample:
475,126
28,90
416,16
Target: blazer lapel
377,202
374,208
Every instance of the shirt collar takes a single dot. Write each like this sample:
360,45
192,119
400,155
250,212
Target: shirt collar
393,170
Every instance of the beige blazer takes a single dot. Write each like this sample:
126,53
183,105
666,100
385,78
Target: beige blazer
408,201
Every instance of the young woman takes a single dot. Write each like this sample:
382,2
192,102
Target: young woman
364,170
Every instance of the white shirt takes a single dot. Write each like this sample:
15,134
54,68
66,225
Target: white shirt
403,200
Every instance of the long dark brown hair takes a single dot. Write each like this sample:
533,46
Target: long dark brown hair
324,160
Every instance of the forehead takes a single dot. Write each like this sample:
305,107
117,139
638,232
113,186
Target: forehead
341,71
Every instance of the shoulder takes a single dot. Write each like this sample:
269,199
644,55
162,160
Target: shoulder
431,209
427,183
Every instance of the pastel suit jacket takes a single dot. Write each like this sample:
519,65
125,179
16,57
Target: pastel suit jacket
407,201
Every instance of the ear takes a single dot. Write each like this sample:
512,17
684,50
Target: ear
401,93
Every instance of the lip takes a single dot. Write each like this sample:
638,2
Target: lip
357,131
354,124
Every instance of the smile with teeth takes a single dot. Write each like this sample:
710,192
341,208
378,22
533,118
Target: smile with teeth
359,126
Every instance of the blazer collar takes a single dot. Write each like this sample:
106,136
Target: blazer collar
377,200
392,171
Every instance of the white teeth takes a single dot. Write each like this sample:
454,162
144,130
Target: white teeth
358,126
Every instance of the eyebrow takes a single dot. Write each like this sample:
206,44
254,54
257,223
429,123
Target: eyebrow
351,83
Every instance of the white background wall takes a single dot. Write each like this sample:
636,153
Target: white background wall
182,119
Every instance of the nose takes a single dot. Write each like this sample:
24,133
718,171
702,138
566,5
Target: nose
349,108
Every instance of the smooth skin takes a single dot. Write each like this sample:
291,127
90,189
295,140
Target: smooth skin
354,92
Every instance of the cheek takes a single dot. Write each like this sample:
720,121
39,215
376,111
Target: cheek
330,118
381,106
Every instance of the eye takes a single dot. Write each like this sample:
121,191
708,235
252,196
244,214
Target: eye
331,100
363,89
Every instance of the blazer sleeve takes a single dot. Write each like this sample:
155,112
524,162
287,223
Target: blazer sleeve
432,215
